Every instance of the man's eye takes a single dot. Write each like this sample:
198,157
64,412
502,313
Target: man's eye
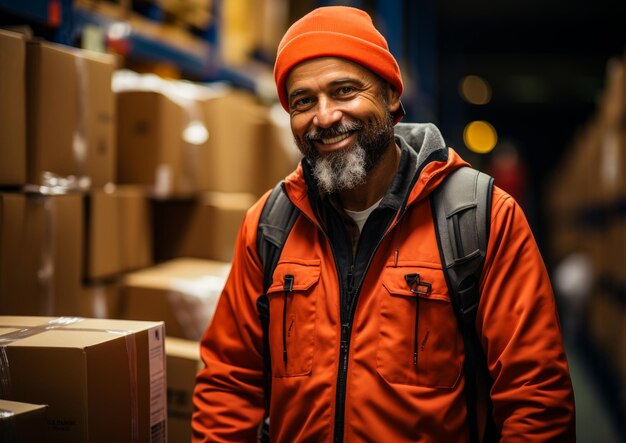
301,102
345,90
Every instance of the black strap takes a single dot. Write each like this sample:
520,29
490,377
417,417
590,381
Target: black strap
277,219
461,209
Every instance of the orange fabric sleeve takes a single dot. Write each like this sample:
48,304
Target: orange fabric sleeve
228,397
532,392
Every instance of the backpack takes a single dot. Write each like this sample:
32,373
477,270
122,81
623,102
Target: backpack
461,210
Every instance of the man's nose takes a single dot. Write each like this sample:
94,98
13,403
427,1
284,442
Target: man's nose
327,113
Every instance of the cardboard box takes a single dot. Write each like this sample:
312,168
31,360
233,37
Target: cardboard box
281,155
12,108
101,300
118,231
617,249
71,114
150,127
22,422
41,244
136,228
103,246
156,149
104,380
100,121
204,227
183,363
249,152
238,129
161,147
183,293
606,321
612,100
611,168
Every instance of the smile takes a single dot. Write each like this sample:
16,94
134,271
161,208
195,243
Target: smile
336,139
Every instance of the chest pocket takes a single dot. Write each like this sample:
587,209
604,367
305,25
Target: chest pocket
418,342
292,300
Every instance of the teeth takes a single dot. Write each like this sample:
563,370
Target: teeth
337,139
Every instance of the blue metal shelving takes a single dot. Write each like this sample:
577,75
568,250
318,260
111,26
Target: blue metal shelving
411,39
197,59
46,12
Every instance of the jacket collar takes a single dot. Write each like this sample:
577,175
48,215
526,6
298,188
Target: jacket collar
425,161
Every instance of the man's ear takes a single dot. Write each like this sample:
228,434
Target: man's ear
393,99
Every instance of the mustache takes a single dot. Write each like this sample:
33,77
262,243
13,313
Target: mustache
333,131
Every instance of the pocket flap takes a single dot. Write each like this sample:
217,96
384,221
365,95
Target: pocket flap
432,284
306,273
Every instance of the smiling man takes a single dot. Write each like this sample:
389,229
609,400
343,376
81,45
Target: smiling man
354,336
341,120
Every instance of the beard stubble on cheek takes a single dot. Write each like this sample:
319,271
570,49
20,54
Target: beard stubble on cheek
347,168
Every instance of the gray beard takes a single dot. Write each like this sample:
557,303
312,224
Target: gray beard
341,170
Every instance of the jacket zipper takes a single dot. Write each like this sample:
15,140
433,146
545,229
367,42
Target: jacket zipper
344,348
346,329
287,288
346,332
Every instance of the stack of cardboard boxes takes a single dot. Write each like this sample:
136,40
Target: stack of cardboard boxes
588,217
116,204
101,380
58,143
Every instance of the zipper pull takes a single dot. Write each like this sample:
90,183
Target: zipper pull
288,283
287,288
414,282
351,279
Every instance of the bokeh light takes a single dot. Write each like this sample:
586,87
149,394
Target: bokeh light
475,90
480,137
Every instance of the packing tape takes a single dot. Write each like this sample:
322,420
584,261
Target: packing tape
5,374
8,427
79,141
193,302
6,414
61,323
46,271
20,333
52,183
131,349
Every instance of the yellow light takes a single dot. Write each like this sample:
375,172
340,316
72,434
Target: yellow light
480,137
475,90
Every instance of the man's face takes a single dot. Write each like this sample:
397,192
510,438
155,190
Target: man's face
341,119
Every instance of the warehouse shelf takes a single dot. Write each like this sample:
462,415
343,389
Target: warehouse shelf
45,12
136,37
126,33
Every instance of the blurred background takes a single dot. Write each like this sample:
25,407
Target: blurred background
134,134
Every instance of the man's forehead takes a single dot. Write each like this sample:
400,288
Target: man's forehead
327,70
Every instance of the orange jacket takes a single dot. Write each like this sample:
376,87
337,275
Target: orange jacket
383,395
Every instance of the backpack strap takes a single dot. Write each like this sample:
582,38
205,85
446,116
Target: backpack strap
462,212
277,218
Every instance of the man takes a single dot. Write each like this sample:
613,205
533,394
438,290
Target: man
355,354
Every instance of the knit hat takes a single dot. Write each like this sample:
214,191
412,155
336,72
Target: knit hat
335,31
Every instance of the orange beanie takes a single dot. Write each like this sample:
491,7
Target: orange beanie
335,31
